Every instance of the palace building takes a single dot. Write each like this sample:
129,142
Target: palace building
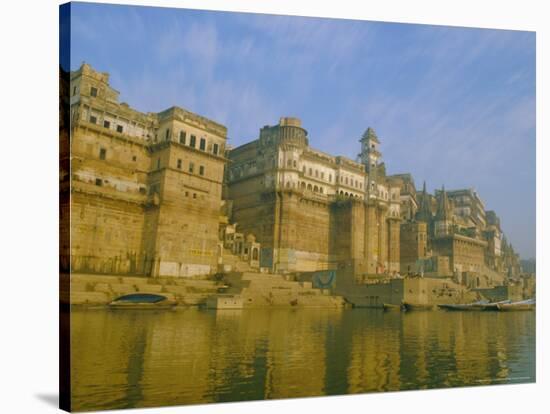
160,194
311,210
145,187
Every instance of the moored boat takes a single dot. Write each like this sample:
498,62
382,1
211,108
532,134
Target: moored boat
482,305
416,306
464,306
391,307
523,305
493,306
142,301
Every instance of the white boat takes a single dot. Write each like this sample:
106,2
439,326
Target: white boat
522,305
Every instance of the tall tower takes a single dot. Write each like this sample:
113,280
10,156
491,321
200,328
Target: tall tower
370,157
424,213
443,217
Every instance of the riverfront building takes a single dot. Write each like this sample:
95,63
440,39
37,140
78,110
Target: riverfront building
311,210
145,187
159,194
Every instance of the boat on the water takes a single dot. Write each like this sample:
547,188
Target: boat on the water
417,306
493,306
523,305
142,301
391,307
464,306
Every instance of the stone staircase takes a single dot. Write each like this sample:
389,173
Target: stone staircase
235,263
269,290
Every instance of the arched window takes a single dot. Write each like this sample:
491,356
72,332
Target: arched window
303,185
315,189
309,187
294,163
255,254
321,190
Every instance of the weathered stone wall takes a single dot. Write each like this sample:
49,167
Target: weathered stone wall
106,235
411,290
466,254
145,189
413,245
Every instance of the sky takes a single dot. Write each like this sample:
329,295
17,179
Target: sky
452,106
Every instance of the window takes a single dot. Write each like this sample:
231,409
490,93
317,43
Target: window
167,134
74,90
119,129
106,124
179,163
310,171
193,141
158,163
215,149
316,173
201,170
304,169
191,167
194,195
182,137
134,158
289,163
93,119
102,153
203,144
98,182
93,91
330,178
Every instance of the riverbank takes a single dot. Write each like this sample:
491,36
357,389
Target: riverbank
255,290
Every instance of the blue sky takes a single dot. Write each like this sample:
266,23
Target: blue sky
452,106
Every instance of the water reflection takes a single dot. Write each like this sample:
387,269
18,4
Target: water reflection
143,358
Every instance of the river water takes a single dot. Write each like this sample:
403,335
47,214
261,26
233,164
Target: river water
123,359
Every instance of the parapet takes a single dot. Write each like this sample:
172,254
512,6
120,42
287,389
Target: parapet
290,121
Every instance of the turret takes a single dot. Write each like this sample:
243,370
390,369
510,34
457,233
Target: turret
443,217
424,213
370,156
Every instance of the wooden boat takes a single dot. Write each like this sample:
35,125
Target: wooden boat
475,306
142,301
416,306
523,305
390,307
493,306
482,305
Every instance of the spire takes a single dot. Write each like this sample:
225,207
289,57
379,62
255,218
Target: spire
424,213
370,134
443,206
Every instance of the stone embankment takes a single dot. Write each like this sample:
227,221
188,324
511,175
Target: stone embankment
255,289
